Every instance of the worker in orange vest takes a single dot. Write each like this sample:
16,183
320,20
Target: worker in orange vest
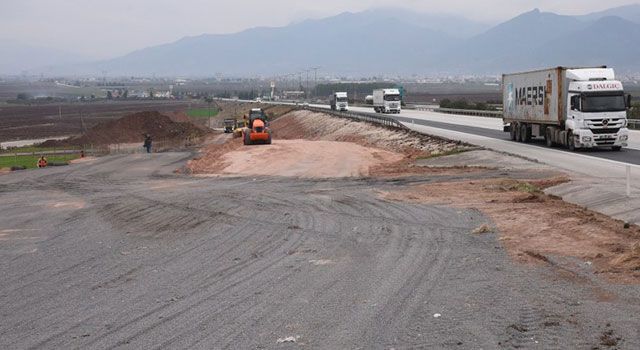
42,162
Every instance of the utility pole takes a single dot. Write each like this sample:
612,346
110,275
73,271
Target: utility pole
307,92
315,79
84,129
104,78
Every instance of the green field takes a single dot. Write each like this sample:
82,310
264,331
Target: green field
36,149
30,161
202,112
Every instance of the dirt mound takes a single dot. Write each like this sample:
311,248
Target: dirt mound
211,160
308,144
131,128
534,225
630,259
318,126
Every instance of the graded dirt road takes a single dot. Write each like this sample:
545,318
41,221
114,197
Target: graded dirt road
121,252
310,159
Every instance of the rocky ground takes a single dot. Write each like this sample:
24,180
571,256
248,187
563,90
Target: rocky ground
339,235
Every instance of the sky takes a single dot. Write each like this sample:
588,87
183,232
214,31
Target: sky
109,28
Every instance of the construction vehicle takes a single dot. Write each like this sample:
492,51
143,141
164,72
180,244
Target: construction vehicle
257,130
240,125
229,125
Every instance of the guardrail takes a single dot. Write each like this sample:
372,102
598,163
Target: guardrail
478,113
421,107
360,116
632,124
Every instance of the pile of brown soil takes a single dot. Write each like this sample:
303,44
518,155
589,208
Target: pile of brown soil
308,144
314,126
211,160
132,128
534,226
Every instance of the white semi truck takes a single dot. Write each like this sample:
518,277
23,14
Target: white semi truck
339,101
573,107
387,101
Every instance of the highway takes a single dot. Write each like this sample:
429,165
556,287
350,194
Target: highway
479,130
492,128
603,180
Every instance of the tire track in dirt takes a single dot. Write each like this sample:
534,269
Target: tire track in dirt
236,262
186,309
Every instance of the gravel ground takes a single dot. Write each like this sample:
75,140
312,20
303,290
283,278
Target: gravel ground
121,252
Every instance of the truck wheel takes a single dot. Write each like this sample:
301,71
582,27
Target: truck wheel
518,132
547,137
247,138
616,148
512,131
269,139
525,134
571,143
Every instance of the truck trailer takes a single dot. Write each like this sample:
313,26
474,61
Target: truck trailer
339,101
387,101
572,107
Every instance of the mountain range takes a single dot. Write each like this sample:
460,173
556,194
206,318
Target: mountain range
392,42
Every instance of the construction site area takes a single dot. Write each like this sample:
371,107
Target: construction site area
281,227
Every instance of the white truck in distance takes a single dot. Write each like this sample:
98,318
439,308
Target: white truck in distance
339,101
573,107
387,101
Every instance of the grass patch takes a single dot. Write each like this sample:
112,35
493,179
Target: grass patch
484,228
524,187
36,149
31,161
202,112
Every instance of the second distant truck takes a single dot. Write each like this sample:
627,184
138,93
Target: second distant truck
387,101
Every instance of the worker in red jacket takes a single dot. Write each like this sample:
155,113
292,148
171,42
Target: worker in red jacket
42,162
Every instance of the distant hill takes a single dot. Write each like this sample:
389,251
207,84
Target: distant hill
537,39
610,40
391,41
628,12
455,26
510,44
347,43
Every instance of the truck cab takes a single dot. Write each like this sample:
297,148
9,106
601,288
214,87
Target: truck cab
597,109
339,101
387,101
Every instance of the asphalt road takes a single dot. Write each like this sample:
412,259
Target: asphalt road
486,127
124,253
627,155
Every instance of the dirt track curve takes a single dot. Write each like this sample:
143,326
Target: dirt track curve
124,253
